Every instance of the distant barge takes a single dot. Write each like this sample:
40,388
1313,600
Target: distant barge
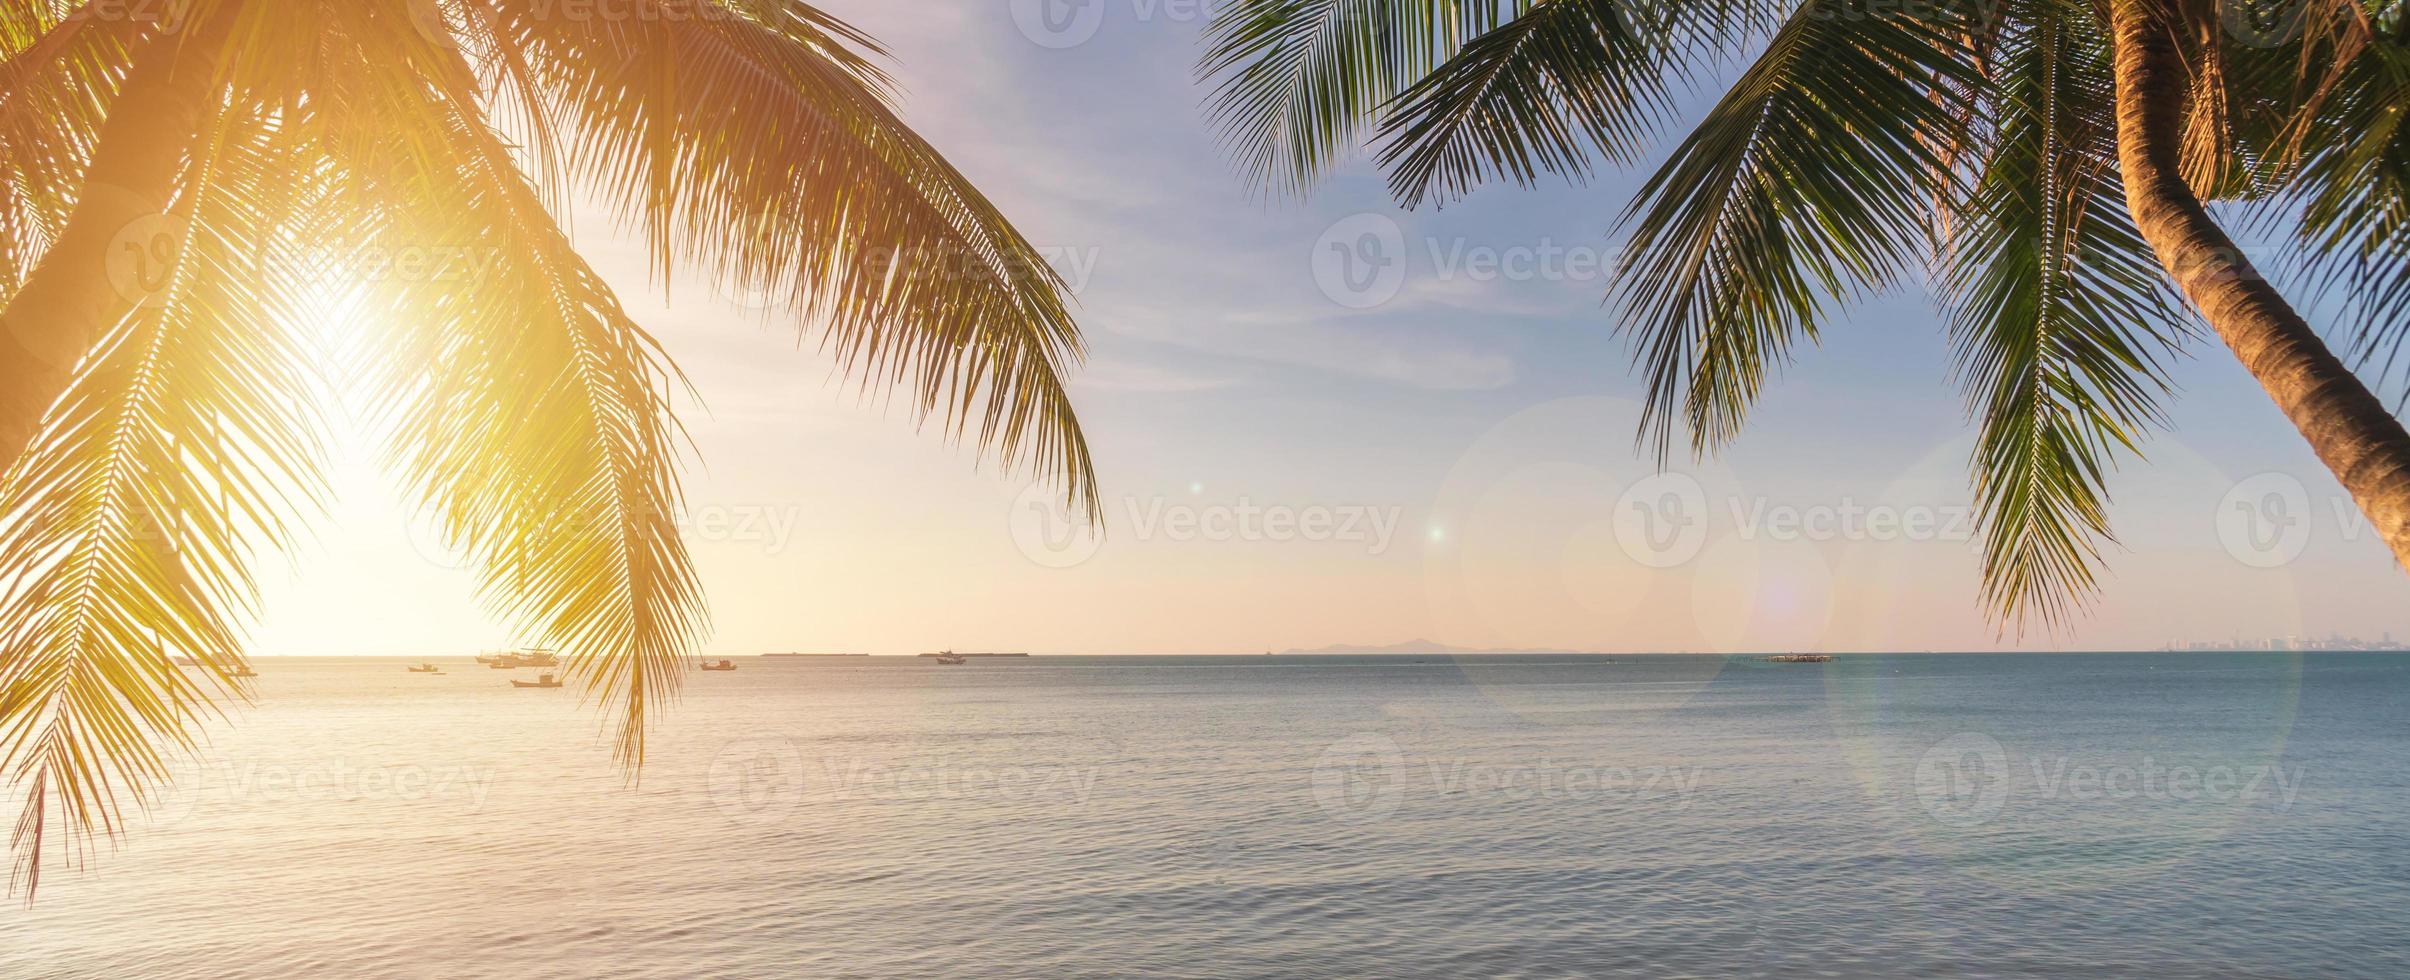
1800,658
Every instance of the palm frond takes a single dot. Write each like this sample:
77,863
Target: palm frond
528,410
2346,189
1807,184
1300,81
758,144
2061,319
182,449
1541,94
57,83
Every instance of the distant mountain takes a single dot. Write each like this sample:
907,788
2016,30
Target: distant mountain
1412,646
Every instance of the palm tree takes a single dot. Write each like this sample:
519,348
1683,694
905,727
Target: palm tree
183,191
1992,141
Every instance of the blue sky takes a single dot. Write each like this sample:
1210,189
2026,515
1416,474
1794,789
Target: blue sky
1488,420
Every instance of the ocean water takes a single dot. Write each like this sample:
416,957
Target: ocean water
1911,816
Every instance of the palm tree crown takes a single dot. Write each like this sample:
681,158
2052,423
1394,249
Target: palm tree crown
1980,139
180,191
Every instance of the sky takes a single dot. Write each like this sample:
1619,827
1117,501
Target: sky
1326,420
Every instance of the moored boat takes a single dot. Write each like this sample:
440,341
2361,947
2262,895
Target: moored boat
719,665
544,680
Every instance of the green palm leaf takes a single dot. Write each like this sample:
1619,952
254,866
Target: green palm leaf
1807,184
2061,318
1299,80
1538,95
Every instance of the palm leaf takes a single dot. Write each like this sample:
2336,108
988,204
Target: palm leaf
1301,80
1538,95
1805,185
2340,171
529,411
57,83
2062,320
758,144
180,450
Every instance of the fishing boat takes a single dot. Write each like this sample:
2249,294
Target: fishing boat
719,665
425,669
543,680
950,658
242,670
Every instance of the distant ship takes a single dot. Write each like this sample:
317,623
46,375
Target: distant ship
1801,658
520,658
948,657
950,653
719,665
546,680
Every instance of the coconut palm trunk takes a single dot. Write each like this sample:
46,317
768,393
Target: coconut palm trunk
2351,431
71,298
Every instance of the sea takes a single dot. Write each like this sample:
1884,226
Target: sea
1992,815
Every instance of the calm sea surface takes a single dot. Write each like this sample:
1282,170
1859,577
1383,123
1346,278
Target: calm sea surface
2143,815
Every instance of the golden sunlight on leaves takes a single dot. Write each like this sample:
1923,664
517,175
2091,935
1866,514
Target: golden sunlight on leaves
216,219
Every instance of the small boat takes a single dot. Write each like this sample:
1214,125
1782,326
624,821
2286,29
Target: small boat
719,665
503,665
185,662
950,658
242,670
425,669
544,680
